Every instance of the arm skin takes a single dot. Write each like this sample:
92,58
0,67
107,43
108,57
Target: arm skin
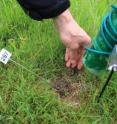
71,34
73,37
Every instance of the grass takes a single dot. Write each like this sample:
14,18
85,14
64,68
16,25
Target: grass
24,99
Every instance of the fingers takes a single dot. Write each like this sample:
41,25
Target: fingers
67,55
71,57
80,65
74,56
71,64
68,64
67,58
81,52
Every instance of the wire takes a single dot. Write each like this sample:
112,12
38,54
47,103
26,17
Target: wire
104,30
98,52
108,32
114,7
111,24
28,70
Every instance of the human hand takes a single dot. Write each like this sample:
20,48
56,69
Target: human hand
73,37
73,58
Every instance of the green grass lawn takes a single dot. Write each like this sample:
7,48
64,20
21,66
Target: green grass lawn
27,99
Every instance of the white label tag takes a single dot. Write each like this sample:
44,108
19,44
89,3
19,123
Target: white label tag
113,67
5,56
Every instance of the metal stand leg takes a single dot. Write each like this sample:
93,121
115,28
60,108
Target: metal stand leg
105,85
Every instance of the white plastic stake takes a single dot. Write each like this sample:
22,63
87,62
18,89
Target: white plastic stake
5,56
113,59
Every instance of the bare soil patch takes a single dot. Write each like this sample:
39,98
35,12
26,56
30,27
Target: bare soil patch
68,86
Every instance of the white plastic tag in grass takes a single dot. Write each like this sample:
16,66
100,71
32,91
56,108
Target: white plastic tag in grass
5,56
112,67
113,60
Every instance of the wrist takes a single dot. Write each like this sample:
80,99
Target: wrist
63,18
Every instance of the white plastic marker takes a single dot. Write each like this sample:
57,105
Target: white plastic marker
5,57
113,60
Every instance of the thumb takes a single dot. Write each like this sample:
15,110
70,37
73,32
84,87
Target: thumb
85,40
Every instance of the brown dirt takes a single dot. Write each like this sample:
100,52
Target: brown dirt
68,87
